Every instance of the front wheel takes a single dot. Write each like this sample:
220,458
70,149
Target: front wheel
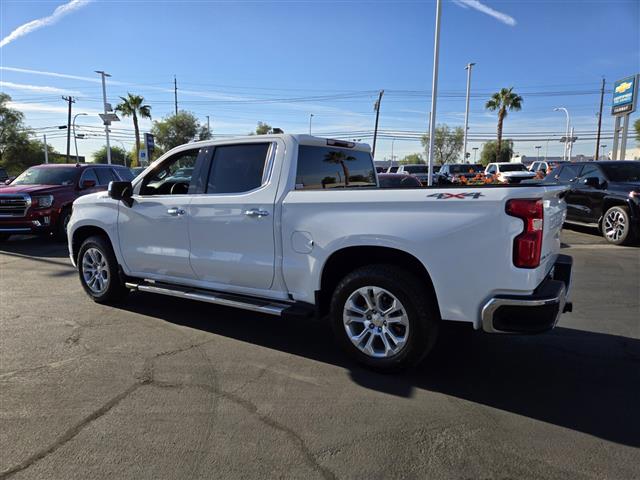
384,317
98,269
616,225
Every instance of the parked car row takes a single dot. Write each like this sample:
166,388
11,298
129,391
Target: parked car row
603,194
39,200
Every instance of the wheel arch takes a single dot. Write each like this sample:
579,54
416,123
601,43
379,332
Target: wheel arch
82,233
343,261
609,202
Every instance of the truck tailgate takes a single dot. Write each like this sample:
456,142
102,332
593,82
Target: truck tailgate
554,215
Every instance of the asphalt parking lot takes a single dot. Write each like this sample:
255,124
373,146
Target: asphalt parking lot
166,388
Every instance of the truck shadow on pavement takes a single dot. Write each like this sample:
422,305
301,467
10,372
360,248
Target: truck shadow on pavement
584,381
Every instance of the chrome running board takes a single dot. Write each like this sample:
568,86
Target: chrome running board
219,298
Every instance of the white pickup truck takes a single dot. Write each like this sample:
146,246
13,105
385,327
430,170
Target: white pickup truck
295,225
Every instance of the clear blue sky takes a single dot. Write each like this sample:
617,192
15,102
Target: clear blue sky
230,57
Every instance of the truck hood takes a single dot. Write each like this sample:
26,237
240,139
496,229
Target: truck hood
34,189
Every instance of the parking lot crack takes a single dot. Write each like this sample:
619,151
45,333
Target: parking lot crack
71,433
294,437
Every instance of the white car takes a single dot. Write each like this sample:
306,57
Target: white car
509,172
295,225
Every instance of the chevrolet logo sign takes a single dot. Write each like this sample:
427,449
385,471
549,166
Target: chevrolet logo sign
623,87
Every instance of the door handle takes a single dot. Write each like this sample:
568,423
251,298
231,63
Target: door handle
254,212
176,212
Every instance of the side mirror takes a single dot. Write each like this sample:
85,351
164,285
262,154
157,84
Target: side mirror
87,184
593,182
121,191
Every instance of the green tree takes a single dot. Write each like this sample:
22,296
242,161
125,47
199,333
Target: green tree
447,143
119,156
132,106
412,158
262,129
503,101
17,150
177,130
490,152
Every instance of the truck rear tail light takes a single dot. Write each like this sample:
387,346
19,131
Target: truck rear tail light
528,245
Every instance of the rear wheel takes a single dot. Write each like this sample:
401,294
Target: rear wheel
383,317
98,269
616,225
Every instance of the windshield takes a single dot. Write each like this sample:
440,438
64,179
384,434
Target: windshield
470,168
513,167
47,176
416,168
623,172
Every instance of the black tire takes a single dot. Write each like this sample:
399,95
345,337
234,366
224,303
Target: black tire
4,237
115,290
418,302
622,213
60,232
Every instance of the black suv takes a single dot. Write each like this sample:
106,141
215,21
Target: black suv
603,194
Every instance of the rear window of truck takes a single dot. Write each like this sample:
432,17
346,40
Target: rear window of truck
329,167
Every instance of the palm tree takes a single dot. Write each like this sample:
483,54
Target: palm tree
503,101
131,106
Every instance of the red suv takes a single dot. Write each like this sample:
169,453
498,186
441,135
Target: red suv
39,200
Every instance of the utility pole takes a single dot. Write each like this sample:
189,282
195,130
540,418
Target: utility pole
571,144
310,118
175,93
393,141
466,112
46,150
107,108
600,119
376,107
70,100
434,91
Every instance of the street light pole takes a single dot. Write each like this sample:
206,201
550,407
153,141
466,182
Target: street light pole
106,122
466,112
434,91
310,118
75,138
566,135
538,147
475,151
603,147
46,150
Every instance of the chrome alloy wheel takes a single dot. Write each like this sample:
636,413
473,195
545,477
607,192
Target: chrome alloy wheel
95,270
376,322
614,225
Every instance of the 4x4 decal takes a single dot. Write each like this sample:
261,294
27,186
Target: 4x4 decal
446,196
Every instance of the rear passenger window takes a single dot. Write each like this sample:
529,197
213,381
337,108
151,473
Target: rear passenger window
569,172
89,174
104,176
328,167
237,168
124,174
